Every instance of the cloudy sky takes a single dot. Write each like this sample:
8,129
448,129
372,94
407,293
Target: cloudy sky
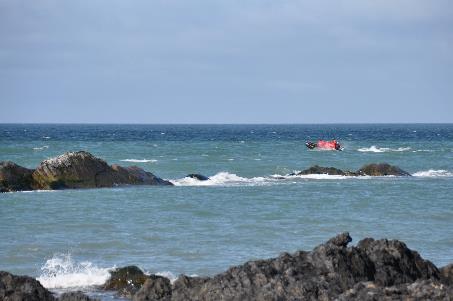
226,61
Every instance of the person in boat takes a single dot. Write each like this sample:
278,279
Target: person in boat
323,144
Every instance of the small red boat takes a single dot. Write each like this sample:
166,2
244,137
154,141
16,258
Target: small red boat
325,145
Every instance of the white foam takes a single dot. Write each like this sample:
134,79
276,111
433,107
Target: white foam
46,137
168,275
224,179
62,272
433,173
318,177
375,149
139,160
41,148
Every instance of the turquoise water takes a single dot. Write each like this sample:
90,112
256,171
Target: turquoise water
71,238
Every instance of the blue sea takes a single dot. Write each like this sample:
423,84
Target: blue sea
249,208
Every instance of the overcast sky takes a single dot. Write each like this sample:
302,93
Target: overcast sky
226,61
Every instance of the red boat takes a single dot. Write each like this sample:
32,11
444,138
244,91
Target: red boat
325,145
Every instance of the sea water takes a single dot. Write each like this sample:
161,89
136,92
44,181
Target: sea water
249,208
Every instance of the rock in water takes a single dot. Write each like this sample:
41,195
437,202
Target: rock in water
197,176
446,274
14,177
319,170
83,170
382,169
22,288
127,280
155,288
75,296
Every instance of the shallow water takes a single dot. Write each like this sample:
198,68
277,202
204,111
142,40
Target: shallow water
71,238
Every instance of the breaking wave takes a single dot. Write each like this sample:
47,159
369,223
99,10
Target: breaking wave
433,173
223,179
139,160
375,149
62,272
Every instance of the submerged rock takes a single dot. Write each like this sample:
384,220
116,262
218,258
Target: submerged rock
126,281
14,177
197,176
382,169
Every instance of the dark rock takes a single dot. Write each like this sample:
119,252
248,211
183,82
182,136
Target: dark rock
382,169
126,281
155,288
75,296
83,170
314,170
418,290
395,263
22,288
14,177
446,274
197,176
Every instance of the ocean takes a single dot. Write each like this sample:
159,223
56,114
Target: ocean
249,209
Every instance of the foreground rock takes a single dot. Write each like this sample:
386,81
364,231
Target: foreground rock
126,281
372,270
381,169
24,288
73,170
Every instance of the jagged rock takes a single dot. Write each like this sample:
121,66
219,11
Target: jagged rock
126,281
83,170
316,169
382,169
197,176
22,288
418,290
75,296
155,288
14,177
446,274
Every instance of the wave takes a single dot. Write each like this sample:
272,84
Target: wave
318,177
224,179
139,160
62,272
433,173
375,149
41,148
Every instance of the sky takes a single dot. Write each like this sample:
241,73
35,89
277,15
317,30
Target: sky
226,61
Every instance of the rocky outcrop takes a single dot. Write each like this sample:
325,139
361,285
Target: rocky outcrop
14,177
73,170
380,169
446,274
197,177
383,268
24,288
126,281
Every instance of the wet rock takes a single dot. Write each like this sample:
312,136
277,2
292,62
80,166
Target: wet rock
22,288
395,263
446,274
316,169
126,281
14,177
75,296
83,170
197,176
155,288
382,169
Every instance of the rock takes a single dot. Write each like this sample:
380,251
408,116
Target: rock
395,263
418,290
126,281
197,176
446,274
382,169
14,177
155,288
22,288
75,296
315,170
83,170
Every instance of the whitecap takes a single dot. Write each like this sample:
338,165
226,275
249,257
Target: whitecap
224,179
41,148
139,160
46,137
375,149
62,272
433,173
